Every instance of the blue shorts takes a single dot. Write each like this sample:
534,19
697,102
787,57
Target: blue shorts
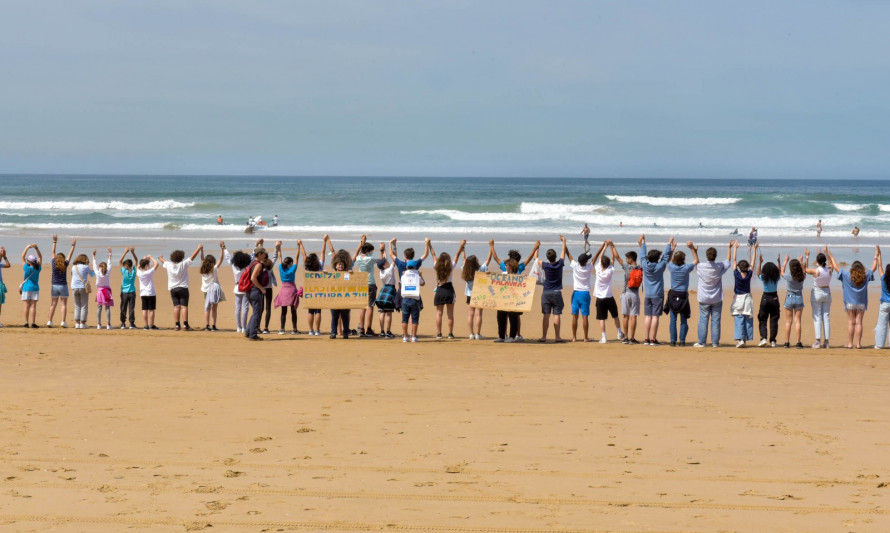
581,302
793,300
410,309
59,291
653,306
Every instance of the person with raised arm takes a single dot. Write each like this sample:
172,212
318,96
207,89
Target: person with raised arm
59,291
128,288
386,297
630,296
742,307
363,261
514,254
602,290
794,297
4,263
256,293
552,302
471,265
213,293
147,295
178,284
444,293
581,270
653,263
884,310
768,312
30,287
855,282
820,298
104,296
271,282
289,295
677,304
710,295
312,263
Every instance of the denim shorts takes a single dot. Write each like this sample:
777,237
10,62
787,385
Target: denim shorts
793,300
410,309
654,306
59,291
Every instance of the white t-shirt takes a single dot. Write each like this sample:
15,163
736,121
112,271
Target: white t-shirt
146,282
388,274
450,274
581,276
603,286
102,280
177,274
209,279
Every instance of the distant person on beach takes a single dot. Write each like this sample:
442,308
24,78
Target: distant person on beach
820,298
855,282
794,297
710,295
104,296
819,228
585,232
213,293
768,313
128,288
742,307
444,294
80,280
178,284
4,263
30,288
59,292
855,231
468,273
677,304
602,290
145,273
552,302
630,296
653,263
734,232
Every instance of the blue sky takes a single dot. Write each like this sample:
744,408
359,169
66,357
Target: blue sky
458,88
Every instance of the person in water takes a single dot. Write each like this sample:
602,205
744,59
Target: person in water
219,220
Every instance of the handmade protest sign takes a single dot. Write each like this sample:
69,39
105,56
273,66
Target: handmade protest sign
504,292
335,290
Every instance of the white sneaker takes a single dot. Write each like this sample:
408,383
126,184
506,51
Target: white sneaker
49,324
479,337
772,344
472,336
740,344
817,344
603,339
99,326
699,345
518,338
63,324
405,339
281,332
293,332
510,339
413,339
108,326
763,342
123,326
499,340
621,335
239,330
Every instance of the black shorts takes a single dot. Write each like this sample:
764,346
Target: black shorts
180,296
314,311
149,303
468,299
605,307
372,295
444,294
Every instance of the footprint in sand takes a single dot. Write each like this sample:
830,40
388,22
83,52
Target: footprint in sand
234,473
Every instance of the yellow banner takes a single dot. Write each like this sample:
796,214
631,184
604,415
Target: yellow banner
335,290
504,292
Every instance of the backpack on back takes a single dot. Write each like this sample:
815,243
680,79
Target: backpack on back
635,278
244,282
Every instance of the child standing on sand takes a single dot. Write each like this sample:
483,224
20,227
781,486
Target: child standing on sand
385,301
514,255
552,302
820,298
444,295
769,302
855,283
4,263
363,261
104,298
468,274
213,293
30,287
59,292
289,296
794,297
80,287
581,270
602,290
178,283
678,295
239,261
146,273
128,288
742,307
653,263
630,296
411,282
312,263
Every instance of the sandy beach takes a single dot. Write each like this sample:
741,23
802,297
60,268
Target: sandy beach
176,431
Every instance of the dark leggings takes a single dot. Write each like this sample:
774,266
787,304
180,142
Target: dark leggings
336,316
769,310
503,318
268,316
293,317
128,305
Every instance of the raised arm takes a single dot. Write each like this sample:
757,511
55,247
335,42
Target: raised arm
393,251
95,265
429,246
534,252
879,260
784,264
565,248
198,250
831,260
120,261
55,239
154,262
382,250
732,245
460,249
642,243
426,249
493,252
616,258
694,251
596,256
734,252
222,253
875,263
759,264
358,249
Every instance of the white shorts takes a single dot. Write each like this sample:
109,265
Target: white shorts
30,295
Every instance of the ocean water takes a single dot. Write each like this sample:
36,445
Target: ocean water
181,208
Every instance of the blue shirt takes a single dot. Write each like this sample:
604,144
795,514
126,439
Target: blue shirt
680,276
128,280
653,273
553,275
769,286
288,274
403,265
885,295
79,271
742,285
31,276
854,295
503,266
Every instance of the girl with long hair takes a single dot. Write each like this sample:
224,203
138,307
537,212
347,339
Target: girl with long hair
855,282
445,296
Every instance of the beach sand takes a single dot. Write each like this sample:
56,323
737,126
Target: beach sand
176,431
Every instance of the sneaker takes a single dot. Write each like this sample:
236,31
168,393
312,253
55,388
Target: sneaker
786,345
740,344
673,343
654,342
603,339
281,332
646,342
254,338
625,341
370,333
333,335
390,335
35,326
799,345
49,324
772,344
146,328
682,343
715,346
438,335
189,328
763,342
621,335
472,336
155,327
405,339
99,326
699,345
108,326
63,324
123,326
518,338
206,328
413,339
499,340
451,335
825,343
479,337
510,339
817,344
213,328
382,335
132,326
265,331
239,330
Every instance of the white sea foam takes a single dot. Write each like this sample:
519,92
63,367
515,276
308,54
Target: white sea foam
532,207
465,216
850,207
663,201
111,226
90,205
